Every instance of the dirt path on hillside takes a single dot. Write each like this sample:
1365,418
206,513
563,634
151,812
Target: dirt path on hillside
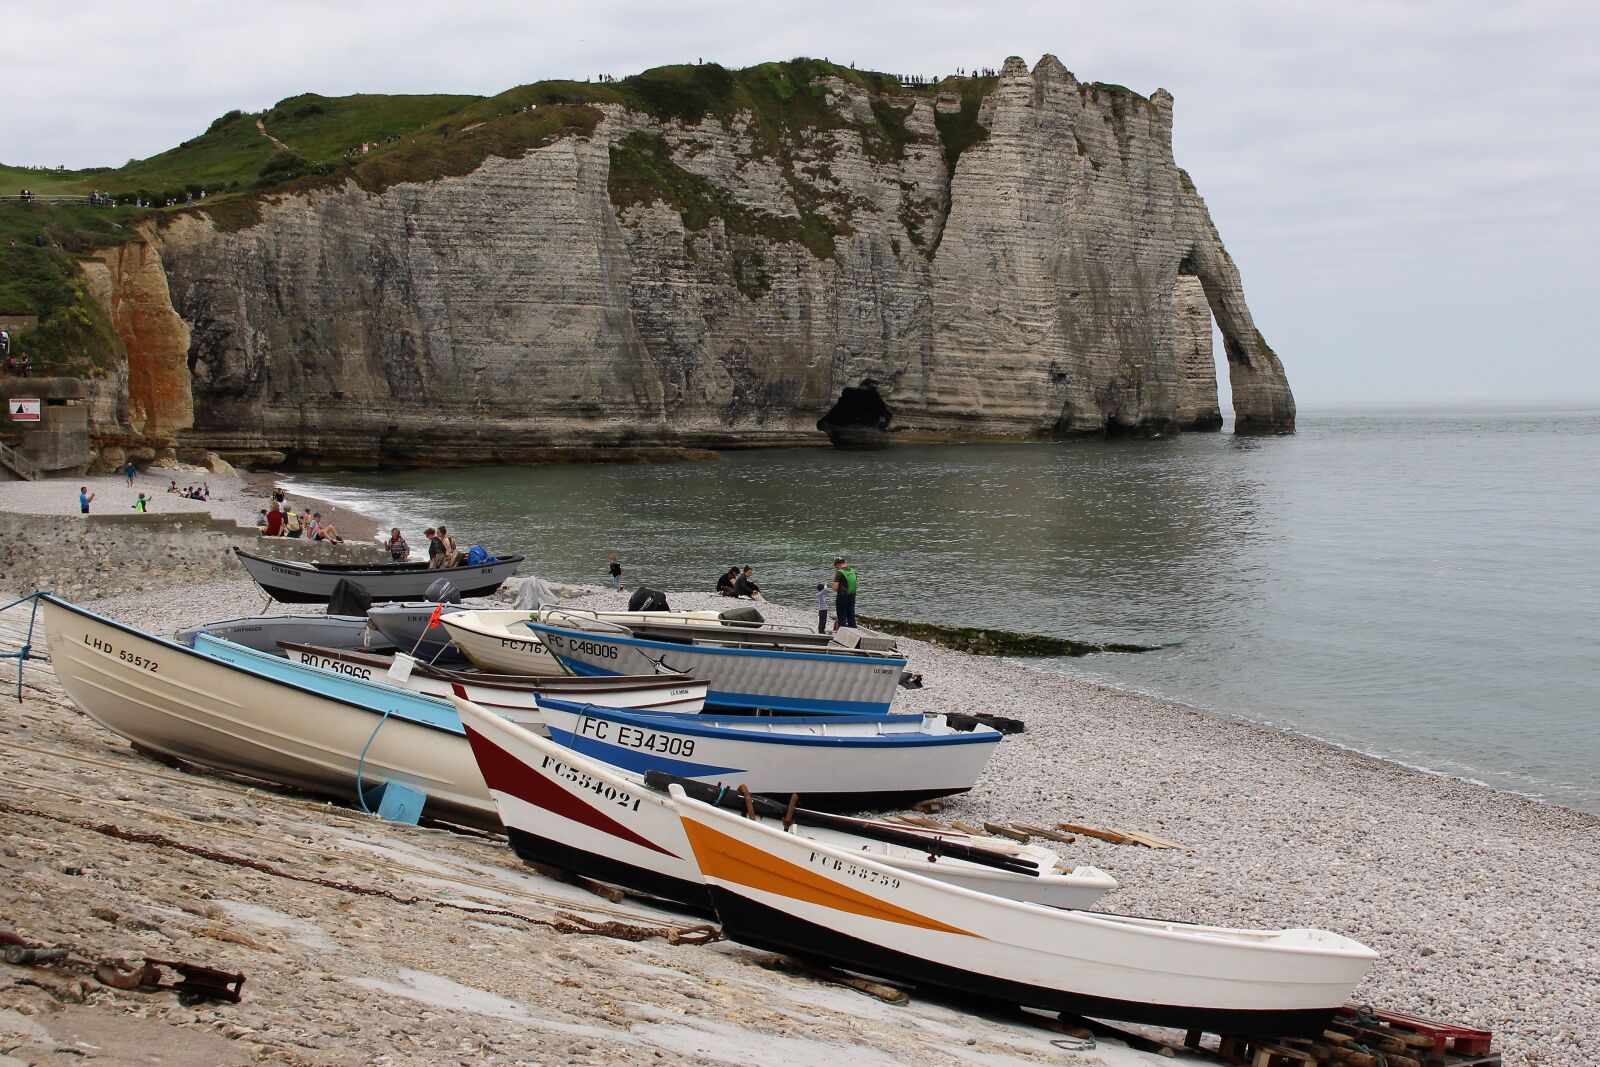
262,126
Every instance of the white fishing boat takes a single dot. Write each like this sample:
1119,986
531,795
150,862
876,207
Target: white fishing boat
835,762
499,639
265,631
509,693
261,715
762,668
787,893
564,810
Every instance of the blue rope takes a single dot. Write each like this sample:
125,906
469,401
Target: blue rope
25,653
361,794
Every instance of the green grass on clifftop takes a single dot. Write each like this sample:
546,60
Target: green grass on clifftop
421,138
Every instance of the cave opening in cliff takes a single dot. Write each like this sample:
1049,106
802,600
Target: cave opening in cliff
858,407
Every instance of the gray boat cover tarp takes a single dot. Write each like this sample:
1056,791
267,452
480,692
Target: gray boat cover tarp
534,594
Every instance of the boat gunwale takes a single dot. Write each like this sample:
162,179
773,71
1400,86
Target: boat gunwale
1170,929
882,659
371,569
680,722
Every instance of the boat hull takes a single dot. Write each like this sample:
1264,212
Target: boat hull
264,632
684,696
492,649
187,705
404,624
741,679
834,763
776,892
299,583
564,810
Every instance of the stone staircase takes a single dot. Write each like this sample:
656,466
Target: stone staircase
12,462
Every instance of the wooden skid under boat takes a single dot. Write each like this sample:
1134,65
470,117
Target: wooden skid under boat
261,715
836,762
565,810
784,893
310,583
511,692
748,670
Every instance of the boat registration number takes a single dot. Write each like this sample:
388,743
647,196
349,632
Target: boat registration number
851,870
337,666
589,784
633,737
580,647
144,663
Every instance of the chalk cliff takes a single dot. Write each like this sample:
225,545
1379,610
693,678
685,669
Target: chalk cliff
1017,256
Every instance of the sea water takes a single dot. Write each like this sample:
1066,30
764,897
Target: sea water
1421,585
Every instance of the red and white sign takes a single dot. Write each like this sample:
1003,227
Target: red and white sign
23,408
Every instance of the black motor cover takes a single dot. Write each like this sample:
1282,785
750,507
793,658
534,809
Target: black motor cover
443,591
646,599
349,598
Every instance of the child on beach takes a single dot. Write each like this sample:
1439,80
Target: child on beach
142,504
822,608
616,574
85,498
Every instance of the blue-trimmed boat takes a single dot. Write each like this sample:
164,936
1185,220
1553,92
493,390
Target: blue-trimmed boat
835,762
760,668
252,713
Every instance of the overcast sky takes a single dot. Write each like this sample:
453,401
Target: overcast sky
1408,189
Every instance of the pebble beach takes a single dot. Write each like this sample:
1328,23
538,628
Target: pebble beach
1481,902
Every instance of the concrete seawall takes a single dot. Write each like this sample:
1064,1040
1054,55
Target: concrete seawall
81,557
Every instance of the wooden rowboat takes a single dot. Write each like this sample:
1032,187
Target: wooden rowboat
834,762
786,893
504,693
312,583
562,809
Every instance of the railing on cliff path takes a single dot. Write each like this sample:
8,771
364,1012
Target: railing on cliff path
12,460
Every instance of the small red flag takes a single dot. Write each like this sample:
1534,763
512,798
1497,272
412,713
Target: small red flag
433,620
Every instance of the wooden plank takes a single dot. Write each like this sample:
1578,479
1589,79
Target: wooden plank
1040,831
1139,837
926,824
1089,831
886,993
968,828
1001,830
931,807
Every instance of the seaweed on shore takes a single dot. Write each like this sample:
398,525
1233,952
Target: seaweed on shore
988,642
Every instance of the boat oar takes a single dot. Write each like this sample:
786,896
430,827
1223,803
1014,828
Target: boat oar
733,800
403,663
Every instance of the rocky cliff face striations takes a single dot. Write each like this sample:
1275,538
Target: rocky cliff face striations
1013,256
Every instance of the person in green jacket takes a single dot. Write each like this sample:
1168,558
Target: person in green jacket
844,594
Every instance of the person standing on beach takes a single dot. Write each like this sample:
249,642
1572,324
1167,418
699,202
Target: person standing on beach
85,498
616,574
130,471
822,608
844,594
142,504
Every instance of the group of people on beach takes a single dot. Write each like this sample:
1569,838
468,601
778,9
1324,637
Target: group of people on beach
191,492
442,548
280,519
741,582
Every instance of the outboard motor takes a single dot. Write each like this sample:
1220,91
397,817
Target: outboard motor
443,591
349,598
646,599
